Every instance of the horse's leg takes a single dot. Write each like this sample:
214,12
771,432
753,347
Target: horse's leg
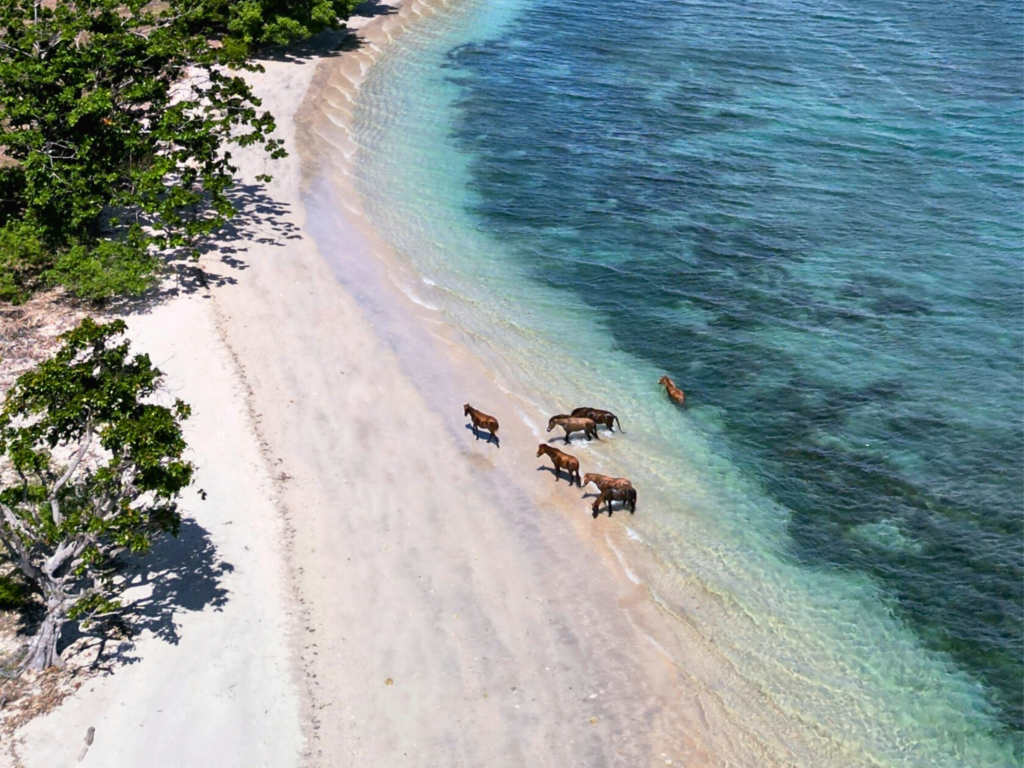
476,432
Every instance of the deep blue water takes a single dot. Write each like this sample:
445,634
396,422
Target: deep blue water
812,217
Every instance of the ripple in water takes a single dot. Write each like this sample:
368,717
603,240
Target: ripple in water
811,215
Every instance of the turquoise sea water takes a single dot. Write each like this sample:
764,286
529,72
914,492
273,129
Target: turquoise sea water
812,217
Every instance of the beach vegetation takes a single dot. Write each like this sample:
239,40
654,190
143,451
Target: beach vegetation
90,469
242,28
117,120
13,592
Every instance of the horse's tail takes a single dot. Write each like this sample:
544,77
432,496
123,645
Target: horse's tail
619,424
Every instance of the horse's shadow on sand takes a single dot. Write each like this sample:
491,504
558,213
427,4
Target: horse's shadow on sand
483,434
558,475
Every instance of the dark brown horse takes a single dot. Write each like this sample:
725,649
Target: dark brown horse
482,421
616,493
561,460
573,424
607,418
677,395
605,481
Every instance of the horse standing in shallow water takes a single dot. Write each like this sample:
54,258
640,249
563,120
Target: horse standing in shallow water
611,488
617,493
561,460
598,417
677,395
573,424
605,481
482,421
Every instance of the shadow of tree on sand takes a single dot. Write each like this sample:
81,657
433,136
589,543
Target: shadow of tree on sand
181,574
332,42
259,218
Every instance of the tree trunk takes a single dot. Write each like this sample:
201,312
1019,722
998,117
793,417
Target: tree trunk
42,651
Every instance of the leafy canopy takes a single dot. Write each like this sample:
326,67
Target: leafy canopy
90,467
244,27
116,118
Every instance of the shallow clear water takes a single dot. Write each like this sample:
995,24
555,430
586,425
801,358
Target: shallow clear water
811,216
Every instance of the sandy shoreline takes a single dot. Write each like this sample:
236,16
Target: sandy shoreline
366,585
398,594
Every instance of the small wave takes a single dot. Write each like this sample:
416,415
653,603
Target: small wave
660,648
635,536
622,561
417,300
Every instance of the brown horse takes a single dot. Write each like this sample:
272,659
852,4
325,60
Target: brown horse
573,424
604,481
598,416
482,421
561,460
616,493
677,395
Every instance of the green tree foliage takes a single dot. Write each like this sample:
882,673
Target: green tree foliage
90,467
245,26
12,593
118,115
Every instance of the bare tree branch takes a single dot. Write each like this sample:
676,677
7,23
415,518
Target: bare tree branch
58,519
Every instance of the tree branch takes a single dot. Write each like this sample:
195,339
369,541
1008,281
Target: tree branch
15,545
58,519
16,525
64,551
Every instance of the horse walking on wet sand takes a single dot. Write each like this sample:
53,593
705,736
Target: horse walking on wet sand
561,460
615,493
677,395
607,418
482,421
573,424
